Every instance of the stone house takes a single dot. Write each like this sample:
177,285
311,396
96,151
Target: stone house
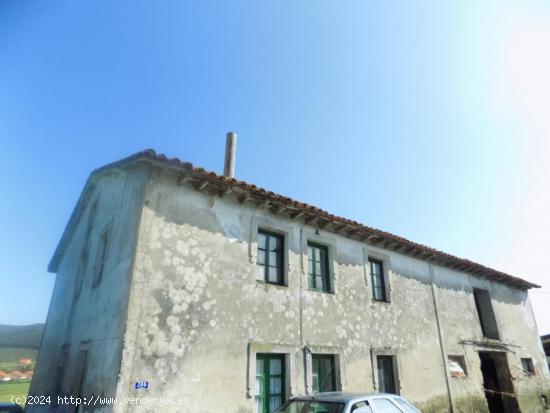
206,293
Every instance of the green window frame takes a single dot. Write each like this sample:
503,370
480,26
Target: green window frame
323,372
318,267
270,257
378,280
270,382
386,374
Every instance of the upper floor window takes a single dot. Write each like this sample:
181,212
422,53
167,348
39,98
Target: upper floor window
91,221
81,272
269,263
318,268
101,257
486,313
378,280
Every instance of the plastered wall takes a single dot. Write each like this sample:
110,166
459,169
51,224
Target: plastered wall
198,315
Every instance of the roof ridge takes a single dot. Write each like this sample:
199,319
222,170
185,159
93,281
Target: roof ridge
458,261
372,236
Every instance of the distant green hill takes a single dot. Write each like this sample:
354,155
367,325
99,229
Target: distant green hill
17,342
24,337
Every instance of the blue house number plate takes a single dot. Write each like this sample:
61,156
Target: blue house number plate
141,385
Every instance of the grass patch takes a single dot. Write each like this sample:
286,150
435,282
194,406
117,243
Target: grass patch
14,354
7,390
7,365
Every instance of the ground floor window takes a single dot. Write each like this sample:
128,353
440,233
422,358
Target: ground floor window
527,365
323,372
386,374
270,382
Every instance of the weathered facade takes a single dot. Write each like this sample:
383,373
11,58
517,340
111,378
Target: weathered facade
224,297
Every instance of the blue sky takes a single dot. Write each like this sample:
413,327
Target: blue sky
427,119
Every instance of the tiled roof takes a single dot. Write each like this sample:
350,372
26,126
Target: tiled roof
245,192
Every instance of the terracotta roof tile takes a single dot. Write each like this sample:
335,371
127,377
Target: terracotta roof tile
408,247
376,236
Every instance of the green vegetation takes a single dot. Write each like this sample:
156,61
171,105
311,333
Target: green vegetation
7,390
21,336
7,365
16,343
9,356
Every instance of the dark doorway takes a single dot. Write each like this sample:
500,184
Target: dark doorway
497,383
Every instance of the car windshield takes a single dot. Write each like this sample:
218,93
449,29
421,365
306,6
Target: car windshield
311,406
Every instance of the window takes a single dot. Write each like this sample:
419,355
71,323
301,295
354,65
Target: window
91,221
270,382
456,366
269,264
527,366
323,372
102,250
384,406
378,280
386,374
81,272
486,313
318,268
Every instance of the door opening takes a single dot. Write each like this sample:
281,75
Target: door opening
497,383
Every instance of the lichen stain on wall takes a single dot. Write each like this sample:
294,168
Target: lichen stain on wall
201,306
196,287
180,306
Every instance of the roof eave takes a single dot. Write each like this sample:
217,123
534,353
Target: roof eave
60,249
244,192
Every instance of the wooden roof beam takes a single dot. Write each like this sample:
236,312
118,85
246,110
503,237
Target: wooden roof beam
311,219
264,204
183,179
280,209
244,198
202,186
297,215
225,191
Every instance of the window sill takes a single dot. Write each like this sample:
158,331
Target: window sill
490,341
314,290
374,300
266,283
